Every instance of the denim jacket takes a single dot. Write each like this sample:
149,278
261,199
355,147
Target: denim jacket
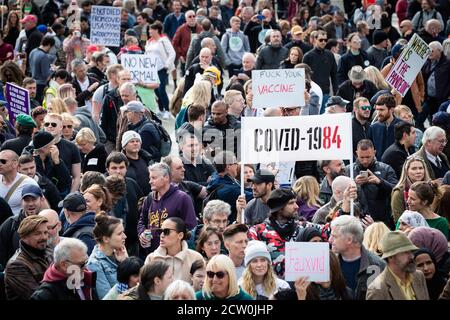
106,270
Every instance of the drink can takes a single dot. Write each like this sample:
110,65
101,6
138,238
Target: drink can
148,235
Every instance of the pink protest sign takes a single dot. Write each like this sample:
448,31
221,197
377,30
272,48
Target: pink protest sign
310,259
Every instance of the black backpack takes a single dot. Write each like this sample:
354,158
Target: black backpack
166,141
212,195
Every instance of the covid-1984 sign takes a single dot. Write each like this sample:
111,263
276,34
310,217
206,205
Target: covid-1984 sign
302,138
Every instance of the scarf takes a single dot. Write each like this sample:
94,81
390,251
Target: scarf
287,230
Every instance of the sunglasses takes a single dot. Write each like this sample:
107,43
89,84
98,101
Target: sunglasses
53,124
322,40
52,227
3,161
414,157
365,108
218,274
164,231
68,126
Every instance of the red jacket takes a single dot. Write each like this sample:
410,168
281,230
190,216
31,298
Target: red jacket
182,39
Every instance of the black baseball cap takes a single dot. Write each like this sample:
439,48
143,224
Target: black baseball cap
337,100
74,202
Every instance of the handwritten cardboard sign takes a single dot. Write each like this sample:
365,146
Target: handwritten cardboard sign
143,67
404,72
105,26
278,88
310,259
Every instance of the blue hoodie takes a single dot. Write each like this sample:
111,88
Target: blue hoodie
229,192
87,223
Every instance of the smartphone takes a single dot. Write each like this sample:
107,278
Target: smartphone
364,173
260,17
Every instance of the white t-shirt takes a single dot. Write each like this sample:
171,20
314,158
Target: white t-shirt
15,201
279,284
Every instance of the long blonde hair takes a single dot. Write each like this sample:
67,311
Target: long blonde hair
269,282
404,181
8,25
200,93
373,235
58,106
374,75
307,189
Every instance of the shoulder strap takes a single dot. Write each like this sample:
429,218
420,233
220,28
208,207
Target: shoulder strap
14,187
86,230
228,41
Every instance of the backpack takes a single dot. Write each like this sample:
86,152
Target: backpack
166,141
212,195
83,231
420,20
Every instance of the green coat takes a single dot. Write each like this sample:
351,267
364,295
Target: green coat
242,295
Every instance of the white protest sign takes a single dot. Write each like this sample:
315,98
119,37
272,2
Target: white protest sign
282,139
141,66
278,88
404,72
105,26
284,171
310,259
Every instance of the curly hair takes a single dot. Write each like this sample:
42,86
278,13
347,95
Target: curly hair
10,72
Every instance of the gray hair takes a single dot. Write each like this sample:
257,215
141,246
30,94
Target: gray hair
177,287
349,226
446,47
63,250
161,167
206,41
436,45
432,133
128,86
76,63
249,55
216,206
169,159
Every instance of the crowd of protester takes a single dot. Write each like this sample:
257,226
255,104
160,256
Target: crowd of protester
100,199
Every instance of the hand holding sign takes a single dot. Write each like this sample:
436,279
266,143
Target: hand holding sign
301,285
